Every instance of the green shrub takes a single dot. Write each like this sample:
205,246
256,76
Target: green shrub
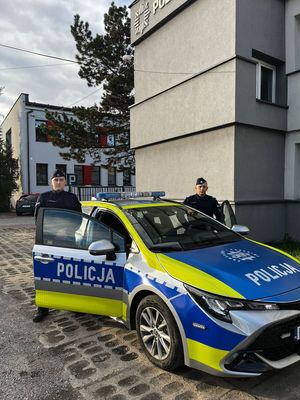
289,245
9,173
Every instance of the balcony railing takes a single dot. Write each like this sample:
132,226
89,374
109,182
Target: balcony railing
85,193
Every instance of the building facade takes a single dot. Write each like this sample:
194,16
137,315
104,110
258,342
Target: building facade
217,88
38,158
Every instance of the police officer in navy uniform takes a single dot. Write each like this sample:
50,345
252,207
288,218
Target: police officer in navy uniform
55,198
202,201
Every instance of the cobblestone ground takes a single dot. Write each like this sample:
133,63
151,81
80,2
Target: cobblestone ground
103,359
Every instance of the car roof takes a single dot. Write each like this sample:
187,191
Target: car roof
130,203
129,199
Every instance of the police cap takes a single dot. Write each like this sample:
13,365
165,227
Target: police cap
58,173
200,181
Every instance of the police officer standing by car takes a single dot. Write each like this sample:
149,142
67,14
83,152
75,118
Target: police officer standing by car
202,201
55,198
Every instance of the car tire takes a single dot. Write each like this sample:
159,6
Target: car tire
18,213
158,333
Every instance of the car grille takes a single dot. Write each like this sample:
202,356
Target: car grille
278,340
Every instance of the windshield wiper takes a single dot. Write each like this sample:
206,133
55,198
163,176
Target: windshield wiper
206,243
166,248
217,241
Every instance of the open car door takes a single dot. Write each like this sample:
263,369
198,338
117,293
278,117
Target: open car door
229,218
69,271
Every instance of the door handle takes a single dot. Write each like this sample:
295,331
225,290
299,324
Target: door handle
43,258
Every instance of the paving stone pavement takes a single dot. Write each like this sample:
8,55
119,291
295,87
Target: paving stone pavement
103,360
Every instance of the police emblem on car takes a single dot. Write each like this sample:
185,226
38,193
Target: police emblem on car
197,292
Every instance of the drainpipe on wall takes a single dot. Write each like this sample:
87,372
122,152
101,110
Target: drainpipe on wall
28,147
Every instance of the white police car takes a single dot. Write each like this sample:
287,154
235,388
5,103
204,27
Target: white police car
197,292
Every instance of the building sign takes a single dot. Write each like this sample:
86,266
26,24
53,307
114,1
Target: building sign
145,14
72,179
141,17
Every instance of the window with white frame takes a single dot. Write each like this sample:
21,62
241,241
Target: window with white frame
265,82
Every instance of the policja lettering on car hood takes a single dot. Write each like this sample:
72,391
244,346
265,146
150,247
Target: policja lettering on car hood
268,273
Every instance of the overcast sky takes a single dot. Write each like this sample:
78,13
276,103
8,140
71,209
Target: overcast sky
43,26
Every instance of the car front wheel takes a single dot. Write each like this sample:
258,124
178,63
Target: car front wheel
158,333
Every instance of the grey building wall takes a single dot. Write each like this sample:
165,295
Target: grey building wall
292,34
292,165
202,102
184,46
292,219
292,145
267,222
251,111
259,164
259,182
241,141
260,25
175,165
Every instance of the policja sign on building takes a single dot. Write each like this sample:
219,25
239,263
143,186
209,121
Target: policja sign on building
146,15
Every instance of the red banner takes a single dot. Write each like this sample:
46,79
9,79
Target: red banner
87,174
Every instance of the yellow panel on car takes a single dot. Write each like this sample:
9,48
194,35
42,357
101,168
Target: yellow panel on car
205,354
79,303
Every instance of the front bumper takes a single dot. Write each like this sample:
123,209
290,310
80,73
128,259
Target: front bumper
272,342
25,208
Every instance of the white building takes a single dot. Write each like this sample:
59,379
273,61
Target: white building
38,158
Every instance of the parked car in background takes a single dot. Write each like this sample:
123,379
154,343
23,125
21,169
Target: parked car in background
26,203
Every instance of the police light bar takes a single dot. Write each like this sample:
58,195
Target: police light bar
128,195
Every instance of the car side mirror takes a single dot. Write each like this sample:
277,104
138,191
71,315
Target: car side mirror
101,247
241,229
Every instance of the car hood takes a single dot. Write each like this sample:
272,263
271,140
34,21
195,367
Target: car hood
242,269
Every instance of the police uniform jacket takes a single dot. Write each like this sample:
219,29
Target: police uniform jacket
58,199
206,204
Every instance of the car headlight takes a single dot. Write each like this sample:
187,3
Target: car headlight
219,306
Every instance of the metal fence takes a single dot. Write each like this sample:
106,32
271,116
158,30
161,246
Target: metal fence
85,193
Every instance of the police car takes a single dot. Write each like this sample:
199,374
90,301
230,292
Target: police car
197,292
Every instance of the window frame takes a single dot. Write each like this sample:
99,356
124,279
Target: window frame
45,137
62,167
271,67
114,175
40,240
127,182
80,181
46,182
8,138
98,169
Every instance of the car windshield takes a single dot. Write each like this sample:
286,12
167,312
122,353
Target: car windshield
175,228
